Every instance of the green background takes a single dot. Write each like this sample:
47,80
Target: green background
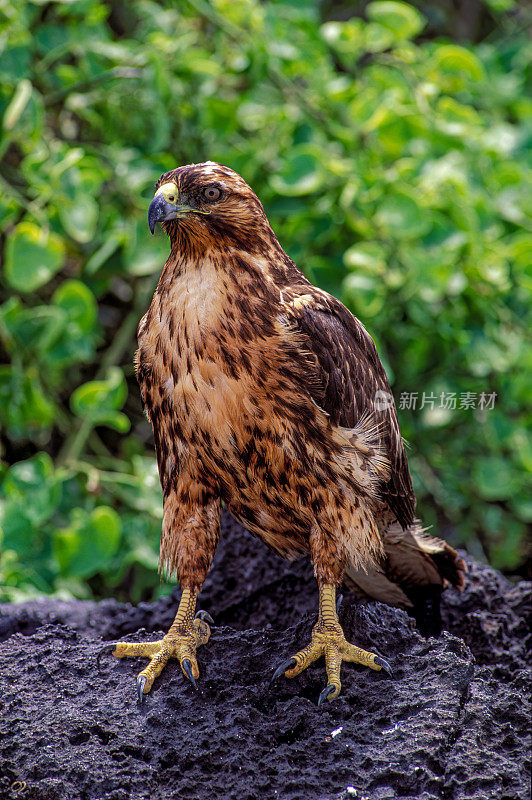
389,146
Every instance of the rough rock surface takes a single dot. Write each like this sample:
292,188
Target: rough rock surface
452,723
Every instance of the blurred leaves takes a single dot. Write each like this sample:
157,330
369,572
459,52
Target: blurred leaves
34,477
88,544
33,256
402,20
99,401
394,165
300,174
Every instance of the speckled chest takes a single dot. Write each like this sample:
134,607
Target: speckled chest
202,361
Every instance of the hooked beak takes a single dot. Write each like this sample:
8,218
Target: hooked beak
160,210
164,206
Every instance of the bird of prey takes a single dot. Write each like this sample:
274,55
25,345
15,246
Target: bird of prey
266,394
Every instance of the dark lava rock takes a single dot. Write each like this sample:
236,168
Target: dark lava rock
451,724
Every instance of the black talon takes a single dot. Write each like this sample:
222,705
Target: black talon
205,616
325,693
141,683
385,665
284,666
339,603
187,668
108,648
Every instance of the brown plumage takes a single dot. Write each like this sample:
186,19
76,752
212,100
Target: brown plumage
261,390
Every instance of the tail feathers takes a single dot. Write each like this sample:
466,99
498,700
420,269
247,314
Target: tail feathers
412,575
373,583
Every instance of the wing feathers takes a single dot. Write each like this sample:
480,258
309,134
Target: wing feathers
349,374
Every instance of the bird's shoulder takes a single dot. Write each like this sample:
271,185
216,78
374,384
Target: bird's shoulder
322,314
343,349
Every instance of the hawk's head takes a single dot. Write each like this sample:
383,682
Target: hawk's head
209,204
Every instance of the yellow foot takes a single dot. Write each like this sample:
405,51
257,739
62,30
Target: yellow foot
331,643
181,643
328,640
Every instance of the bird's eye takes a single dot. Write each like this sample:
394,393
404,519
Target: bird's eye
211,193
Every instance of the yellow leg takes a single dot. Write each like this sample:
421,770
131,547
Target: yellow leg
181,643
328,640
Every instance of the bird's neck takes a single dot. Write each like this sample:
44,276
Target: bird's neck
229,268
223,288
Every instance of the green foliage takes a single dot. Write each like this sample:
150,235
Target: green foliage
97,401
394,171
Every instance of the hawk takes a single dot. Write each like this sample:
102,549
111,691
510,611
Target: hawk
267,395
